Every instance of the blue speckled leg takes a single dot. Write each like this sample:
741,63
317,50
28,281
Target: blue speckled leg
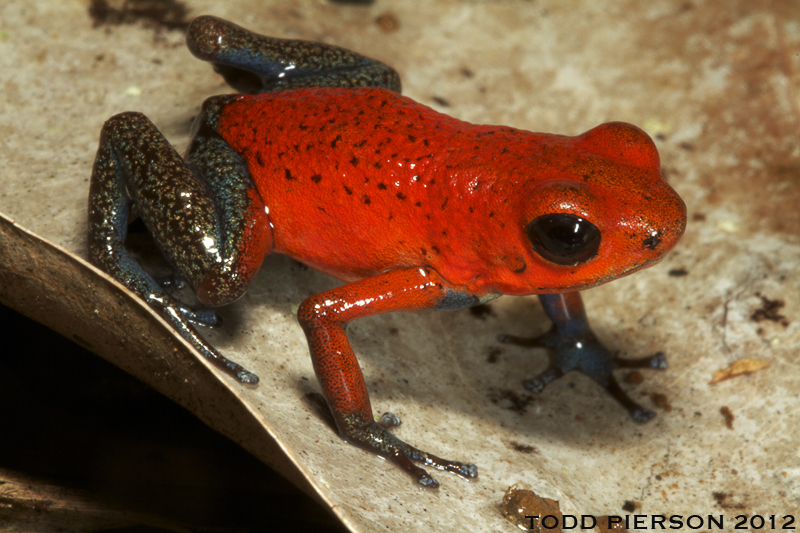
198,221
205,212
253,63
574,346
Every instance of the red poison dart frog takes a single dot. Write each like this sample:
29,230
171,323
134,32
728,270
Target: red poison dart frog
325,162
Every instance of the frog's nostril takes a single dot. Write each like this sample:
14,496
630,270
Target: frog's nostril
652,241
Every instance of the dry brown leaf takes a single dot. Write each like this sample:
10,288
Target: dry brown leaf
738,368
29,505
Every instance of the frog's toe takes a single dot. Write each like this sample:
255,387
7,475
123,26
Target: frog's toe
657,361
375,437
236,370
537,383
465,470
637,412
427,481
182,319
203,317
389,420
642,415
247,377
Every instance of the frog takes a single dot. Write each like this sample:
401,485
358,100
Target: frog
318,157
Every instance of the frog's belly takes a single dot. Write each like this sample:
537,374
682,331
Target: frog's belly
345,242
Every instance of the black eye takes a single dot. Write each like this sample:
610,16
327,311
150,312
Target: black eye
564,239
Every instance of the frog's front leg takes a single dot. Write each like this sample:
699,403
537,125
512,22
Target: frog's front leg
205,215
253,63
574,346
324,318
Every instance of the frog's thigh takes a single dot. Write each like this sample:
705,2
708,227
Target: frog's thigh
177,205
244,228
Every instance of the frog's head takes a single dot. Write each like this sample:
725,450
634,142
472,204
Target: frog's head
603,211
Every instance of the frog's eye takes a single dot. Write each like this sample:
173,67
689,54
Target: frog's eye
564,239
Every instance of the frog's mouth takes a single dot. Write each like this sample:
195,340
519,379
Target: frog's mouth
637,267
605,279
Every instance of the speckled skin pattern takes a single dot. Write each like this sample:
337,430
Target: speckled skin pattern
328,164
254,63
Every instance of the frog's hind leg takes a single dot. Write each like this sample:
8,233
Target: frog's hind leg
574,346
216,240
254,63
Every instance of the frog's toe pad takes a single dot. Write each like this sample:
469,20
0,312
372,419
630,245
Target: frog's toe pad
534,385
247,377
389,420
464,470
468,471
658,361
537,384
204,317
642,415
428,482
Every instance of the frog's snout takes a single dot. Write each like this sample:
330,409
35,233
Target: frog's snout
668,224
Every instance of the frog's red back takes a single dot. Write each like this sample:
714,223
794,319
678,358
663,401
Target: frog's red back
358,181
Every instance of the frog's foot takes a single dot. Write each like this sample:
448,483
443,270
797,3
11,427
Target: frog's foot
375,437
582,351
203,316
182,318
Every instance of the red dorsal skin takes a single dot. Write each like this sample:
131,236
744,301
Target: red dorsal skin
361,181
